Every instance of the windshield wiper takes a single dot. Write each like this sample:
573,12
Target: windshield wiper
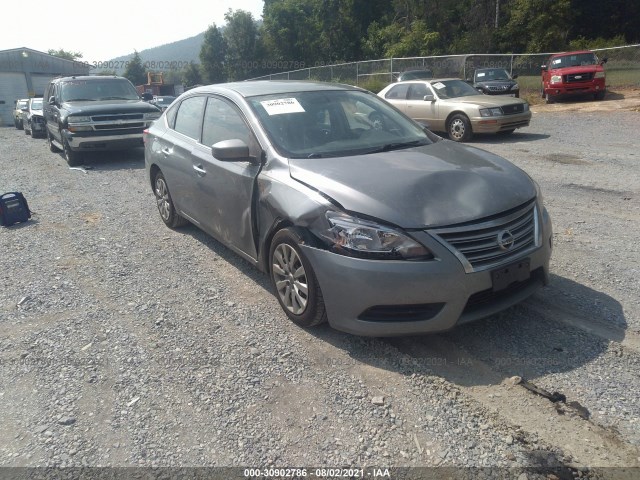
398,146
81,100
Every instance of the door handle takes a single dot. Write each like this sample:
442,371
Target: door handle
199,169
166,151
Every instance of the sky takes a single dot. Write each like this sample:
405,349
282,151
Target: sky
102,30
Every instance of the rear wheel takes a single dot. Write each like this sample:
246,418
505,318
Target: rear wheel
459,128
164,202
296,286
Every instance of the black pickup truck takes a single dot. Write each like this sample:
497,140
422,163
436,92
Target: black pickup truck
90,113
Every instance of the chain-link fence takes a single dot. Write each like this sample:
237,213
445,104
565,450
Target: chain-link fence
622,68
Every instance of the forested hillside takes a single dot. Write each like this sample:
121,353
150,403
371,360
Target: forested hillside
304,33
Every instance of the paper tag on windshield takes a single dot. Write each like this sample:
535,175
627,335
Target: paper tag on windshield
439,85
480,74
282,105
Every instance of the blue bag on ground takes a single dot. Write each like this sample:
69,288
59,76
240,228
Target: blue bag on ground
13,209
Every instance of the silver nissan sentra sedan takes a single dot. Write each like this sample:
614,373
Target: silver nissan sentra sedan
361,216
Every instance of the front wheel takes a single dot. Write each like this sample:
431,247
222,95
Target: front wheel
548,98
599,95
164,202
73,158
296,286
459,128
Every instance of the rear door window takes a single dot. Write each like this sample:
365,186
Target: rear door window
188,120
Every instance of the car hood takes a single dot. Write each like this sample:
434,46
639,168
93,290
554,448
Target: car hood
578,69
496,82
108,106
434,185
484,100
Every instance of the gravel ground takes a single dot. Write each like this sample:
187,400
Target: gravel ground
124,343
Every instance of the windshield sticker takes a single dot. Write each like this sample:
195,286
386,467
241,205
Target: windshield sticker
480,75
439,85
557,60
282,105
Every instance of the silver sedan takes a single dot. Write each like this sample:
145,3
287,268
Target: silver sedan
360,216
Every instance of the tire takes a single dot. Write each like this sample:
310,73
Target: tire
27,131
548,98
294,281
52,147
19,124
164,202
600,95
459,128
73,158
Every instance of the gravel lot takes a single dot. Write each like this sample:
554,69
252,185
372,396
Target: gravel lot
124,343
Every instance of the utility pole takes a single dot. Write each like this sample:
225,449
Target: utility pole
497,12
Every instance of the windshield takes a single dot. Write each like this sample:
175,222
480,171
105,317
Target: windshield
453,89
492,74
334,123
574,60
36,104
98,89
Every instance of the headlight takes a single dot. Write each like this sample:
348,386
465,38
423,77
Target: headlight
599,75
556,79
515,87
78,119
490,112
362,238
152,115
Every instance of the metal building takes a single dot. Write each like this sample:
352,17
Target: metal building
25,73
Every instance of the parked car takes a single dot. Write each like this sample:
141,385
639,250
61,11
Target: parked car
573,73
162,102
90,113
415,75
359,215
17,112
455,107
33,119
495,81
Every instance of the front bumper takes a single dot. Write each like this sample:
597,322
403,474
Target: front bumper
501,123
576,88
98,141
417,297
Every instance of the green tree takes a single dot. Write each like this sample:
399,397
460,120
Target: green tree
65,54
191,75
241,37
135,70
535,26
212,56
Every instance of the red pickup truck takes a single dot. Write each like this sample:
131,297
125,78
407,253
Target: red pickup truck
573,73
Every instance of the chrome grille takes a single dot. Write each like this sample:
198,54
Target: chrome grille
578,77
513,108
478,245
116,117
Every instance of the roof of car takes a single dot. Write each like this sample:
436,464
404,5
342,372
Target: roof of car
270,87
577,52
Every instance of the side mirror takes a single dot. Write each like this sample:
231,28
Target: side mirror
515,76
231,150
146,96
429,98
52,100
604,60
